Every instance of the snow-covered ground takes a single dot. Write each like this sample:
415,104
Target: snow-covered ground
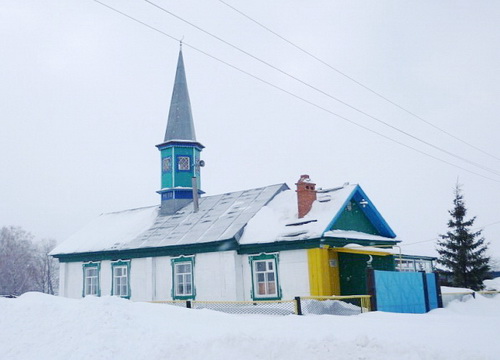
37,326
493,284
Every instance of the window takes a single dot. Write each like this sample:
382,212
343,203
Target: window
183,280
183,163
412,265
166,164
406,265
91,279
424,265
121,279
265,283
265,278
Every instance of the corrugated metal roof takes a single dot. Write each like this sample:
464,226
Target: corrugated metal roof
220,217
240,215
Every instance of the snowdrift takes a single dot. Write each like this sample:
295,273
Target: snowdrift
38,326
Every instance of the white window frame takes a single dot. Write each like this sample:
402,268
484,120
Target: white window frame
91,286
120,283
183,278
406,265
265,278
413,265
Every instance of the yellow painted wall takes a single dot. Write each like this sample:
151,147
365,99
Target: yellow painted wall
334,257
323,278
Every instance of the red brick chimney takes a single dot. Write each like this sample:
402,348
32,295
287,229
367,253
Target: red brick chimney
306,194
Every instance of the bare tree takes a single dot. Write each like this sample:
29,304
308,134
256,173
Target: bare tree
47,274
25,266
17,261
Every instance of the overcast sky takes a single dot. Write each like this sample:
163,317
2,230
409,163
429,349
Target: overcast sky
85,92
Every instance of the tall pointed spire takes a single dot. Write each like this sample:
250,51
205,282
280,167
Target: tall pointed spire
180,119
180,152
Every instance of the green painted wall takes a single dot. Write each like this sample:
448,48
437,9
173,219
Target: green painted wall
352,268
166,176
355,220
174,177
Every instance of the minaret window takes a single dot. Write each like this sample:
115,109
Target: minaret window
183,163
167,164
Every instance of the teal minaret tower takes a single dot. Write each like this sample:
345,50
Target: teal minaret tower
180,152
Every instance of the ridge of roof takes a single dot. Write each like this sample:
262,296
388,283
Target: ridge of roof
201,198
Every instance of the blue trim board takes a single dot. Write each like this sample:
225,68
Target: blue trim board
339,213
174,193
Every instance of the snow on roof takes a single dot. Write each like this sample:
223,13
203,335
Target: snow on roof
220,217
262,215
372,249
109,231
277,221
356,235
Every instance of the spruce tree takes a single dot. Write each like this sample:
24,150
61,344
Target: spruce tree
462,250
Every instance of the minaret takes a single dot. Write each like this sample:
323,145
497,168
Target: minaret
180,152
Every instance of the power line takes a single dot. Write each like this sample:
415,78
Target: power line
482,167
357,82
138,21
294,95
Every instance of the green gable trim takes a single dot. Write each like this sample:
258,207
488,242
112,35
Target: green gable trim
275,258
177,250
183,259
114,264
353,218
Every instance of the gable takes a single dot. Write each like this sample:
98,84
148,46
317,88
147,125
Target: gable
353,218
358,213
278,223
